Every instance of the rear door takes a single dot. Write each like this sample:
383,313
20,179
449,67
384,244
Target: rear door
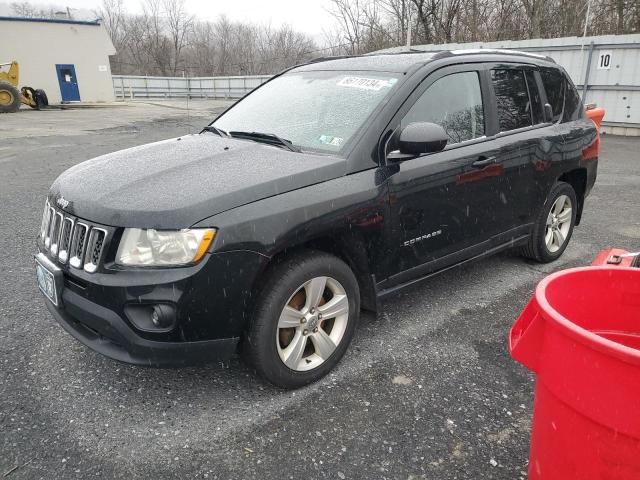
442,203
527,143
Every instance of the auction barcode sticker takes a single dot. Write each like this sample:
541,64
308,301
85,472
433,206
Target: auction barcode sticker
364,83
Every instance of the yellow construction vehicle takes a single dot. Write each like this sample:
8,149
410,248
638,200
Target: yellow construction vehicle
11,98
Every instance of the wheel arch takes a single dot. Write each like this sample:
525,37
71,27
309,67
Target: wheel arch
577,178
350,249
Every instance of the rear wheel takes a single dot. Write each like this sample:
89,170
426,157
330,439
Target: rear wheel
554,225
304,320
9,98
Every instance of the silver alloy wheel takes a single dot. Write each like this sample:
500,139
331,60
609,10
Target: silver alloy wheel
558,224
312,323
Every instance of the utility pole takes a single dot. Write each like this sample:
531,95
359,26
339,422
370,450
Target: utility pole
584,34
586,21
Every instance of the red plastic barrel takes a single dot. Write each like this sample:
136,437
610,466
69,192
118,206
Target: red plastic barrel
580,334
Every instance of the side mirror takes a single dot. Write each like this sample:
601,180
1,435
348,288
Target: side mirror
548,113
418,138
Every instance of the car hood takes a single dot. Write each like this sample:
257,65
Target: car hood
178,182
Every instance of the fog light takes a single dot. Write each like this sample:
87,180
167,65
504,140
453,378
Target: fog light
162,316
158,318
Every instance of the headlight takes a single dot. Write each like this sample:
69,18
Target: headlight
152,248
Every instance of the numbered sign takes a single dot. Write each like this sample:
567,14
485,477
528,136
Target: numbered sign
605,59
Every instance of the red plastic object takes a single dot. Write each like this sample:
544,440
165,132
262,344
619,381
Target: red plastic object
617,257
580,334
596,114
593,150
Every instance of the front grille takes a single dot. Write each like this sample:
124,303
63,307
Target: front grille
45,221
69,239
54,234
95,246
47,229
78,244
65,239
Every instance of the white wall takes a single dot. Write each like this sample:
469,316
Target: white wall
39,46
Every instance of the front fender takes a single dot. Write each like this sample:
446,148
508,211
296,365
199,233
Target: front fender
351,206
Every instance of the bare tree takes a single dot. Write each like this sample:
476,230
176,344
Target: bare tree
179,26
112,14
26,9
401,14
350,17
167,40
444,21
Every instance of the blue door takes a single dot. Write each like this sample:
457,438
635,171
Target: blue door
68,83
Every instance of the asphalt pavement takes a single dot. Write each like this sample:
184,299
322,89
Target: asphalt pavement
426,391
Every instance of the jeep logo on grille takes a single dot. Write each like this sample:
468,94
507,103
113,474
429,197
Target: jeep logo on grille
62,202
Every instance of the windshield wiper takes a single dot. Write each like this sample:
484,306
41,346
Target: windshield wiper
269,138
216,130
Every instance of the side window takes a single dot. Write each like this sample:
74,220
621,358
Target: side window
534,96
514,109
455,103
573,109
554,84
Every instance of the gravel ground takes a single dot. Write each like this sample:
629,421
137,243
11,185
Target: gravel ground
427,390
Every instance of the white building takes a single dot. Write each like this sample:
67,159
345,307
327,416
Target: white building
68,59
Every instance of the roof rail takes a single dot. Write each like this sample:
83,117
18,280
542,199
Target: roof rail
500,51
330,57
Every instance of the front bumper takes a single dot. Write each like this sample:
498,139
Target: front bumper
211,301
105,332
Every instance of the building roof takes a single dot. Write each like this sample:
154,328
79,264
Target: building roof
95,22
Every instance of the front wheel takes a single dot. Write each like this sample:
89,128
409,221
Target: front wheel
304,320
9,98
554,225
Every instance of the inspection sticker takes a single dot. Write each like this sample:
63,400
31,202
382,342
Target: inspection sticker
364,83
329,140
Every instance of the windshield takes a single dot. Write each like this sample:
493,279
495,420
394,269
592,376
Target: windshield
314,110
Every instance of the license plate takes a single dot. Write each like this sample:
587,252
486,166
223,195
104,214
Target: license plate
47,282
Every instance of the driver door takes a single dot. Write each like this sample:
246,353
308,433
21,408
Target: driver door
443,204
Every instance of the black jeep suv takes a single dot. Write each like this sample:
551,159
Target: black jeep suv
330,186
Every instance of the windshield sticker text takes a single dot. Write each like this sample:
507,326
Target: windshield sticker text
364,83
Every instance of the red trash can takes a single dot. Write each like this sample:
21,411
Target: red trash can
580,334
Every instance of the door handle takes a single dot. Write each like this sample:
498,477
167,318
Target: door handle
484,161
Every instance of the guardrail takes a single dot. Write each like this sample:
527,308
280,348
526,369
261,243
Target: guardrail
133,86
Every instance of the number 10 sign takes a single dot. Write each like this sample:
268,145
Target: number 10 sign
604,60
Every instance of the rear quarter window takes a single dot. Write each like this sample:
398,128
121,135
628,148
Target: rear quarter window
554,85
573,109
562,95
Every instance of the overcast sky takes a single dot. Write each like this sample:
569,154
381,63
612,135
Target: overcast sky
309,16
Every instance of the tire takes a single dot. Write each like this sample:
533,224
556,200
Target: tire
41,99
551,235
9,98
314,343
